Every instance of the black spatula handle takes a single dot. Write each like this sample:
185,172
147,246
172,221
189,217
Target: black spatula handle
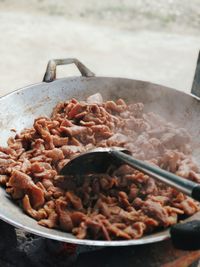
186,236
196,192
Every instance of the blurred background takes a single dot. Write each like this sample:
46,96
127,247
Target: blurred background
155,40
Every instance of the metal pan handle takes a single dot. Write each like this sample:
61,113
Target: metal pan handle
196,82
50,74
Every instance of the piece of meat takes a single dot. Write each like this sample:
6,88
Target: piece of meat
175,138
188,206
36,214
59,141
4,155
74,200
55,154
64,216
26,165
81,231
156,211
37,167
61,164
104,209
5,163
170,161
77,217
136,230
111,105
137,125
118,139
52,217
59,108
101,130
149,187
4,179
23,182
7,151
16,193
42,129
136,109
123,199
38,144
87,123
185,167
77,109
70,150
194,176
112,229
133,193
51,221
74,130
96,226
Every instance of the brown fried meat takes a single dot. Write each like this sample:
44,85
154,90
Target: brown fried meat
125,204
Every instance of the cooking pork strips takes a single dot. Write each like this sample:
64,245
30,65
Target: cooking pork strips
122,204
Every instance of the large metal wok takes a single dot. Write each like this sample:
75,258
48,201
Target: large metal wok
19,109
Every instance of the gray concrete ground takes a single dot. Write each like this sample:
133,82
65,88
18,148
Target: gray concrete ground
119,39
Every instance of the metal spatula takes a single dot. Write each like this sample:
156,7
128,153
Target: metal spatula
100,159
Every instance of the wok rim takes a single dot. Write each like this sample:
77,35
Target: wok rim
96,77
